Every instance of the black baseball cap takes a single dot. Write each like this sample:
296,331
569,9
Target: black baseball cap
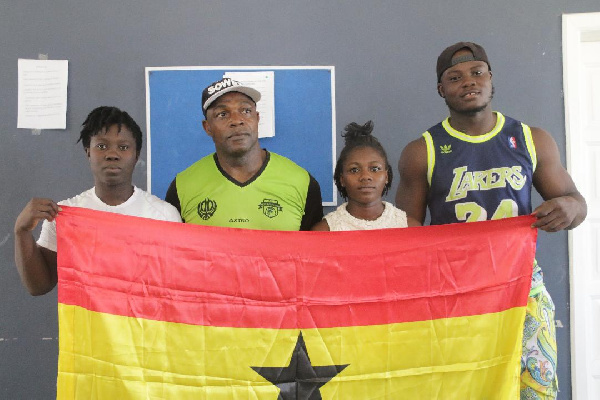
445,61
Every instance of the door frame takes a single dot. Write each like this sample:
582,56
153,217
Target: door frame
578,28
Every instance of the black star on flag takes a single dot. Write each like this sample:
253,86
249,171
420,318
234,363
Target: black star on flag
300,380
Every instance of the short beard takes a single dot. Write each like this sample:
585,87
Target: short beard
472,111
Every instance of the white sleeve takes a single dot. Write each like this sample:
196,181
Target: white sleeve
48,235
173,215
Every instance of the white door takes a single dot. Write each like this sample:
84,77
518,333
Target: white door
581,72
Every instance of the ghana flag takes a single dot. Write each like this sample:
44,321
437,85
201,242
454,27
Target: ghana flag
160,310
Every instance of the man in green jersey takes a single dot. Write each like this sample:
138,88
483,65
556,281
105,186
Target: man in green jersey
242,185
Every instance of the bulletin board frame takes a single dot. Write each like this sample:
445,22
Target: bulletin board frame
304,121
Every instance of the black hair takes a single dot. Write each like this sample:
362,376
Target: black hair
102,118
360,136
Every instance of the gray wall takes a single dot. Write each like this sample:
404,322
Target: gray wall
384,54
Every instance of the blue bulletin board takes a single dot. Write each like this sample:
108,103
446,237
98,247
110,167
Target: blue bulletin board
304,121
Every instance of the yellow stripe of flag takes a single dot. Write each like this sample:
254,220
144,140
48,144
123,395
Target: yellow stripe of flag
116,357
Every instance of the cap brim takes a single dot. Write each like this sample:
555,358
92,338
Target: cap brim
247,90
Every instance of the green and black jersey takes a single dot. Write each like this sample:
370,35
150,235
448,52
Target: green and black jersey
281,196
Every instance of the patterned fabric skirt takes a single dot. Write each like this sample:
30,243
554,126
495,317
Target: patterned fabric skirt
538,361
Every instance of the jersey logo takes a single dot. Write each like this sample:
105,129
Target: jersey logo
446,148
239,220
512,142
465,181
270,207
207,208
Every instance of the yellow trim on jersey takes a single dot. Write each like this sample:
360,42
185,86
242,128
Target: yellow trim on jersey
530,145
430,155
475,139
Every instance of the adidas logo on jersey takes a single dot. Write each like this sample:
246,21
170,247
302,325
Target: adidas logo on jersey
446,148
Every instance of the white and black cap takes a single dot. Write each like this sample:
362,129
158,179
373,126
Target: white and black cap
217,89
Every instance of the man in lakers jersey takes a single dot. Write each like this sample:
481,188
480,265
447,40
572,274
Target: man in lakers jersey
479,164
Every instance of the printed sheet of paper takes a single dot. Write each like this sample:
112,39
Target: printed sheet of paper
43,94
264,82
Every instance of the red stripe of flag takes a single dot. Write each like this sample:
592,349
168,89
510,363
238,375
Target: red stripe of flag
266,279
